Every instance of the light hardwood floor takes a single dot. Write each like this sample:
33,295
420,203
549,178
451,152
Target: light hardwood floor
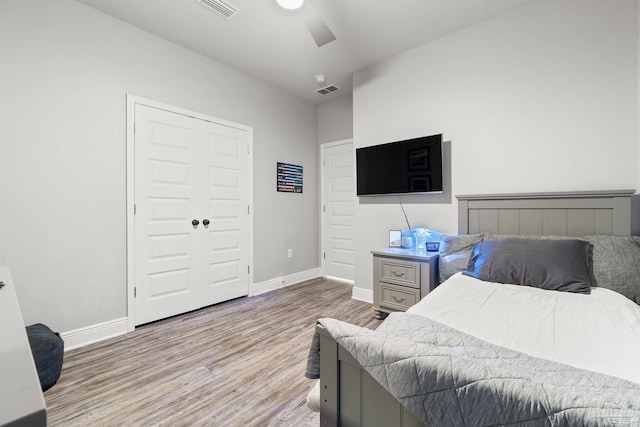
239,363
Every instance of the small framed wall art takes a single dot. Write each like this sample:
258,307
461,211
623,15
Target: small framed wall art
289,178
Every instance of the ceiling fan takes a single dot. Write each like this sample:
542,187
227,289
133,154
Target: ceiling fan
318,29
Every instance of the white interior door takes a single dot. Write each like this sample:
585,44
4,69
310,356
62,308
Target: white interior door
339,197
191,237
227,210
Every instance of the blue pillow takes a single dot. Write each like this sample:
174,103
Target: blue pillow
560,265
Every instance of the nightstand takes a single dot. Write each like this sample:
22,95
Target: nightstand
401,277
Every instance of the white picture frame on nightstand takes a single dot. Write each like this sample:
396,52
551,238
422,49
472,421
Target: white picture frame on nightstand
395,238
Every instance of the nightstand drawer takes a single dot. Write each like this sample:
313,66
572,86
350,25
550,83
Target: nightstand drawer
405,273
398,297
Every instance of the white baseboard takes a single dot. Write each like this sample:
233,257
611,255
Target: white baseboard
362,294
281,282
94,333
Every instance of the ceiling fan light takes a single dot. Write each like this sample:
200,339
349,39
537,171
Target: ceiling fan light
290,4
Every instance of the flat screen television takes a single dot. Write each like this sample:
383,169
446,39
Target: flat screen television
412,166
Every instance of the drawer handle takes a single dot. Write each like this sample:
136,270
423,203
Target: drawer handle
398,274
396,299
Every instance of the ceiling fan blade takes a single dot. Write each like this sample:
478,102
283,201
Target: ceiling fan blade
319,30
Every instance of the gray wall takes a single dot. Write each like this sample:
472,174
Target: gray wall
65,73
335,120
544,98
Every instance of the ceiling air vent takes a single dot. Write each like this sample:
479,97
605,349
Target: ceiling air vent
327,90
222,8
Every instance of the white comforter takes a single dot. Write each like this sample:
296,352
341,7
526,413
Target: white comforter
599,332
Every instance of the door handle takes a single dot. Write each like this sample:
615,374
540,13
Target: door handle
195,222
205,222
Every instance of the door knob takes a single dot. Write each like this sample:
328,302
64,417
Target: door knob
195,222
205,221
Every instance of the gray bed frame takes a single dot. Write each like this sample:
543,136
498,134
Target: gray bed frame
349,396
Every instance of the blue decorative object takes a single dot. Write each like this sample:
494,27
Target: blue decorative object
421,239
421,235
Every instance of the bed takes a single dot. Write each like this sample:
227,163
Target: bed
564,350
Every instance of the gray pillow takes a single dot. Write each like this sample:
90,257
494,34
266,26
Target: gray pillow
455,252
616,264
560,265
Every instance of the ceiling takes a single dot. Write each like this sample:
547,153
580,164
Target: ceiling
273,44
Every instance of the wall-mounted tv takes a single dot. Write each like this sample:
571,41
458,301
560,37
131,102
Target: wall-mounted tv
412,166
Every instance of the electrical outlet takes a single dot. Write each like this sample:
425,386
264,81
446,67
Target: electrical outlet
290,253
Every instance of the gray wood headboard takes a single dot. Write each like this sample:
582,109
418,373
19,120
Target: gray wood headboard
560,214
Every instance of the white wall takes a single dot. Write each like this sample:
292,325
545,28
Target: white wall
65,73
335,120
544,98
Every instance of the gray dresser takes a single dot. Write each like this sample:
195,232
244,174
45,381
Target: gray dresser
401,277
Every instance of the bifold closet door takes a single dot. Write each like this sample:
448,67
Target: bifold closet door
191,223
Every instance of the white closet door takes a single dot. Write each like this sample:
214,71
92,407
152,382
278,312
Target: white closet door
339,199
226,209
187,171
